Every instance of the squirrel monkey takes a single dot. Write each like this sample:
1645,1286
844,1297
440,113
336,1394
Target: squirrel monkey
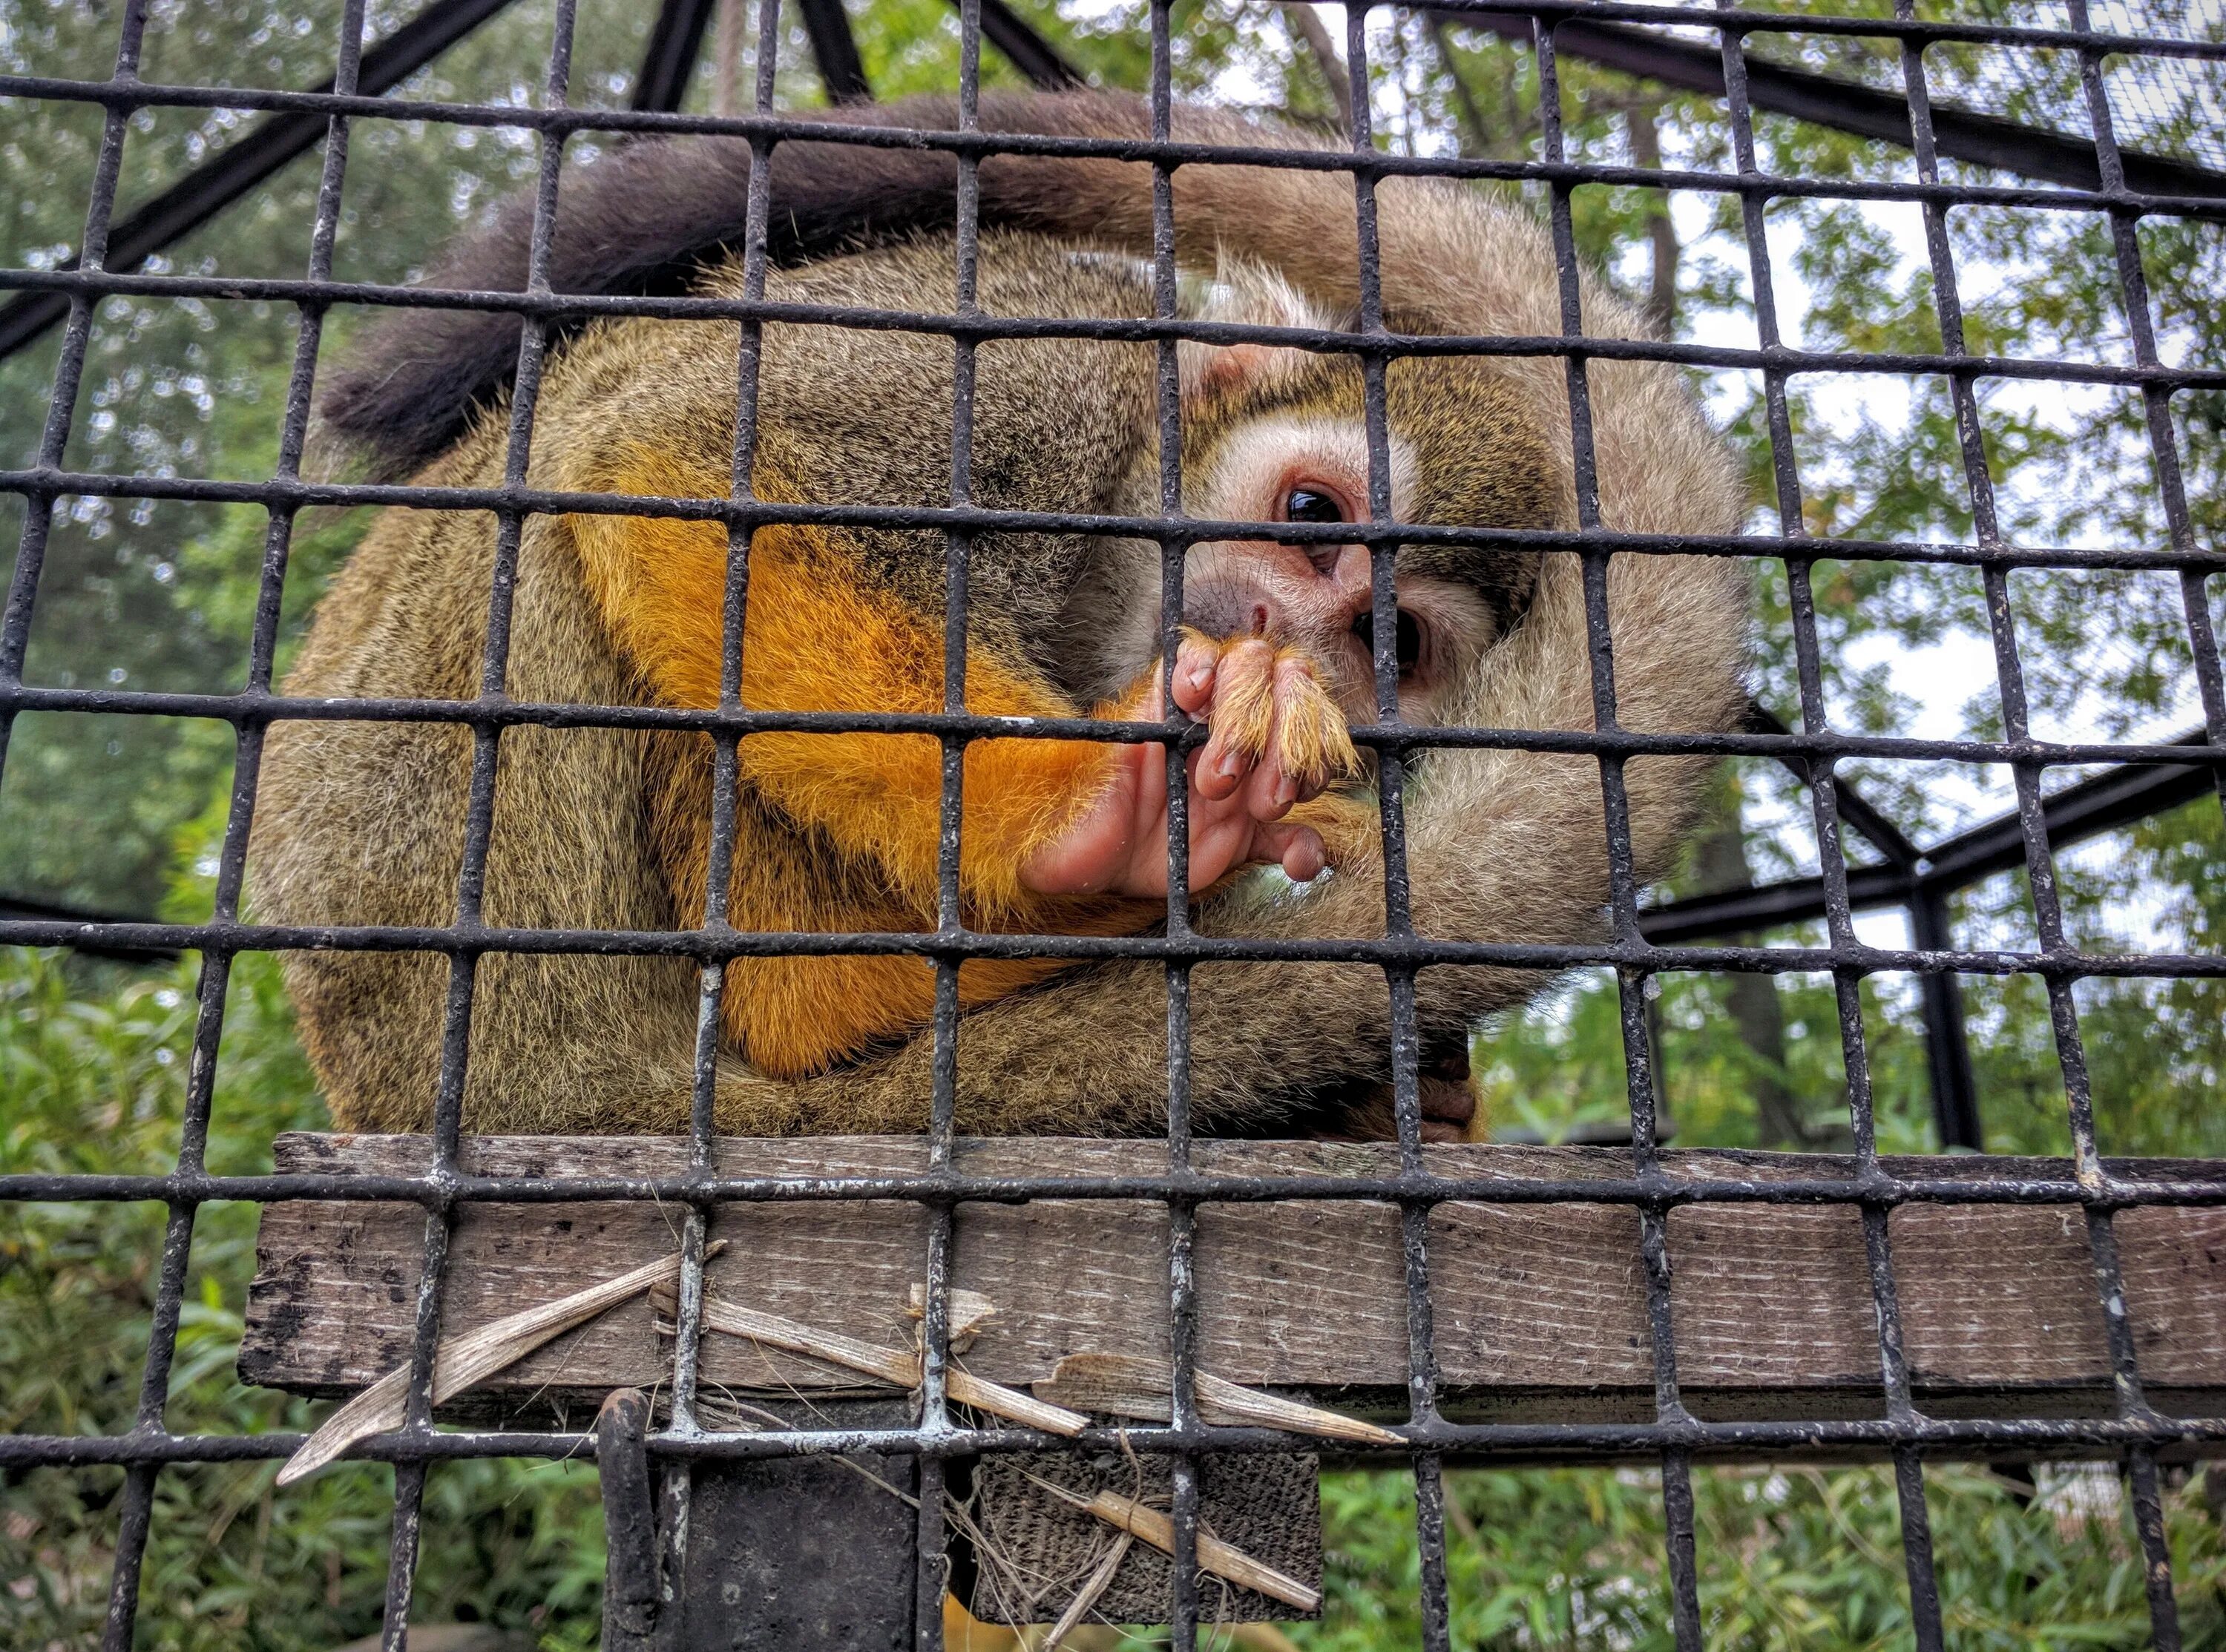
363,823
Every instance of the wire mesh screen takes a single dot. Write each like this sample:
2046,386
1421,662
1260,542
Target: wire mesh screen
1645,943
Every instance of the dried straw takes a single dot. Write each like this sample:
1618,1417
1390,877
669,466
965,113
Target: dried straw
1086,1597
471,1356
1128,1386
1223,1560
895,1366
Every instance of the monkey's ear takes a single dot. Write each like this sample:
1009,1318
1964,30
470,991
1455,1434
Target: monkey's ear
1249,295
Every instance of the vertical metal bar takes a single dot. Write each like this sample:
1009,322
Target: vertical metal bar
2156,399
676,1477
2040,863
471,877
69,372
1823,791
1174,548
1633,984
932,1549
134,1519
1433,1601
1955,1088
2148,1511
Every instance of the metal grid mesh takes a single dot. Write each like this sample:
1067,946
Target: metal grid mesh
1675,1433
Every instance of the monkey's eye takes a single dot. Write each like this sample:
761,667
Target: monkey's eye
1407,640
1311,505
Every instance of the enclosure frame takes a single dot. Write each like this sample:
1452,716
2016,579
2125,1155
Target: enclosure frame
1643,944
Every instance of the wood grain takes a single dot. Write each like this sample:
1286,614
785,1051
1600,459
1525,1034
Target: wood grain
1542,1304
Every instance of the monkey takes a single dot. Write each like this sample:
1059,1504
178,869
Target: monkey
363,823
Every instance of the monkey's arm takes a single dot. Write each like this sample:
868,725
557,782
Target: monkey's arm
1501,846
818,639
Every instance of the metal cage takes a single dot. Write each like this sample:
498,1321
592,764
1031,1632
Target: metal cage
2064,175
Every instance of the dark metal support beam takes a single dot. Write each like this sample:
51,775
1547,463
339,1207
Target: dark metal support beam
1946,1041
675,40
629,1523
2030,151
1856,810
1947,1044
1025,50
2131,793
835,49
18,906
209,188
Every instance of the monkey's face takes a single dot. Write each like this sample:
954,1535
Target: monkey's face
1286,440
1279,435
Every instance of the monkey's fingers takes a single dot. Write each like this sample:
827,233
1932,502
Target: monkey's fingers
1298,849
1244,717
1197,658
1308,748
1448,1107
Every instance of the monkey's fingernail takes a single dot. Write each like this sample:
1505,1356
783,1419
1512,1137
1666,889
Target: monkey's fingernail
1232,763
1287,792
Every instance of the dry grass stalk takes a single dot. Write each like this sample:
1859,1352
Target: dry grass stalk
1127,1385
472,1356
890,1365
1095,1585
1222,1560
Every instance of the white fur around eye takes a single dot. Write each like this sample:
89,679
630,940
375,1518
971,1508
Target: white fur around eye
1243,481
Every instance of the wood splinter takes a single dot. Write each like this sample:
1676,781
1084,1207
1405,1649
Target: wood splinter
890,1365
1222,1560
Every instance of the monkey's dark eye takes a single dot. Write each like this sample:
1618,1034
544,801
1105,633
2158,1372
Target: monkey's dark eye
1308,505
1406,643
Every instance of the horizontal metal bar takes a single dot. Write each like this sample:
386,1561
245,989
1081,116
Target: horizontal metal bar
1849,106
722,946
1876,25
251,710
1571,1442
240,165
289,495
1109,329
1661,1191
1372,162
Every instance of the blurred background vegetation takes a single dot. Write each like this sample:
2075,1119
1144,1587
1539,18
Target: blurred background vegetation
121,815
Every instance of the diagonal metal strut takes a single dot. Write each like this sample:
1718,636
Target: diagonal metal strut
209,188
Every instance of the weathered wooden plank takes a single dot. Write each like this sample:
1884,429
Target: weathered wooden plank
1772,1302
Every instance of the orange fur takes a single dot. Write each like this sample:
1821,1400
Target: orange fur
871,803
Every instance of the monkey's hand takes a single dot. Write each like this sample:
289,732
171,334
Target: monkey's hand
1278,741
